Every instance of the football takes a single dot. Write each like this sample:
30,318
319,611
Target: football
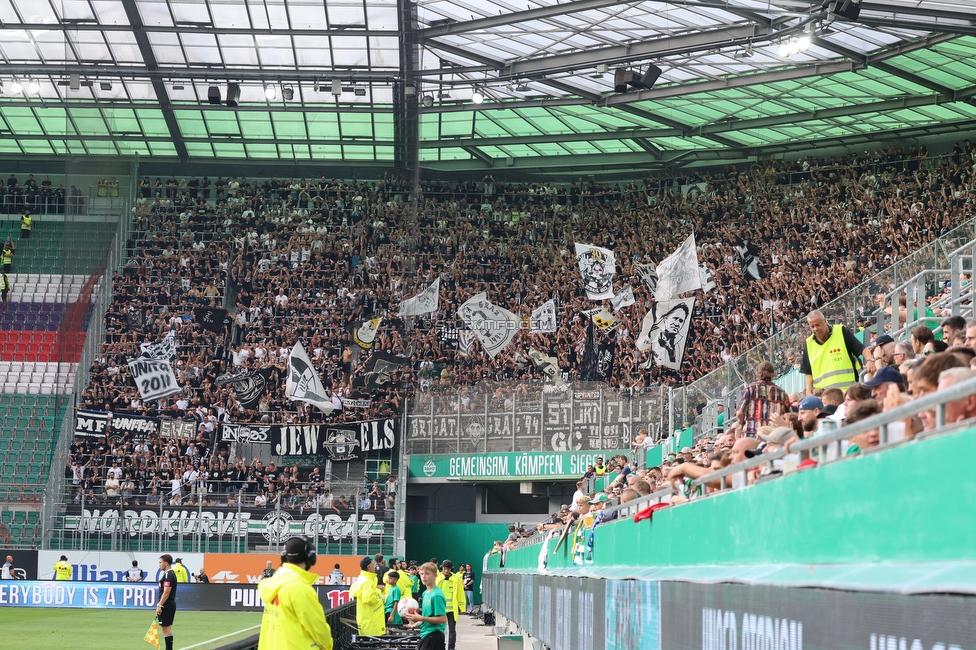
407,606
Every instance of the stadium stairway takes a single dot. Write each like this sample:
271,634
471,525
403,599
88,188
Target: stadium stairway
42,332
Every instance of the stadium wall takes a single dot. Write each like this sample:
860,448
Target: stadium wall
909,503
459,543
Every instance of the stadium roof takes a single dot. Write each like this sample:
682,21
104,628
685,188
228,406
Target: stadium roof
121,77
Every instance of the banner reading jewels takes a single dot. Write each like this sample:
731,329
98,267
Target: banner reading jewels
342,442
107,595
258,525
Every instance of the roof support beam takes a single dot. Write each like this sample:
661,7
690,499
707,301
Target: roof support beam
649,147
155,72
159,88
202,29
918,25
927,11
519,17
669,46
884,67
480,155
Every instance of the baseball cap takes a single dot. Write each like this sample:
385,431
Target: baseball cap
365,562
884,338
686,450
810,403
886,374
599,499
778,436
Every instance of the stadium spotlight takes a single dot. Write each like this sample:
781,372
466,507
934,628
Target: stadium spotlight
427,101
105,85
287,93
477,97
213,95
269,92
33,87
16,87
360,92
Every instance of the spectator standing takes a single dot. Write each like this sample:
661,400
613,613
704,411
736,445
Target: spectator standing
268,570
452,586
762,401
468,582
336,577
182,575
7,572
370,617
830,356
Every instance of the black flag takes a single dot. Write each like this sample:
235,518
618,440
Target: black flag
378,370
250,387
589,370
211,318
135,320
749,255
606,357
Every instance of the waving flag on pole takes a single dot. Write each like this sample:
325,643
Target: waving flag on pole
152,636
494,326
707,283
749,255
678,273
623,299
423,303
543,319
597,266
303,384
648,275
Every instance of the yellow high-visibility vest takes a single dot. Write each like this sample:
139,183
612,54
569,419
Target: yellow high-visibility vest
26,222
830,363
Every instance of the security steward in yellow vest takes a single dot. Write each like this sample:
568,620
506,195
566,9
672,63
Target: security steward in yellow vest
62,570
182,575
830,356
26,224
4,287
370,605
7,255
452,585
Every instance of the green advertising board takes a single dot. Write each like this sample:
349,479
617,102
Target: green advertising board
521,466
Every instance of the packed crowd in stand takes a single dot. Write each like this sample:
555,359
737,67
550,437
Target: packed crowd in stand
303,260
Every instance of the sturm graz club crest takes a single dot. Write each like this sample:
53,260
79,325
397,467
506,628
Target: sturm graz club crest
277,526
341,444
597,270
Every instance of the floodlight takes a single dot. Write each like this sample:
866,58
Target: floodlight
287,93
16,87
105,85
33,87
477,97
270,93
233,94
804,43
213,95
361,92
428,101
784,49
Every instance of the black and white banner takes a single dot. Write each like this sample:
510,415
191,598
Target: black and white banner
154,378
465,339
665,331
379,369
494,326
543,319
678,273
597,266
364,333
648,275
424,302
97,424
707,282
350,403
179,429
340,442
164,350
549,366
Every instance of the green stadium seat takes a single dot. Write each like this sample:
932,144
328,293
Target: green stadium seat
6,517
33,517
20,516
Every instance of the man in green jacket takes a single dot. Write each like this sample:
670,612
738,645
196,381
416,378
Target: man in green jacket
370,615
293,616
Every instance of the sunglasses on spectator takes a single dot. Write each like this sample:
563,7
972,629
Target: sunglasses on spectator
928,352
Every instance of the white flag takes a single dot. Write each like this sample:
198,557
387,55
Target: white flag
678,273
154,378
623,299
543,319
549,366
705,275
424,302
303,384
165,349
597,266
494,326
665,331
